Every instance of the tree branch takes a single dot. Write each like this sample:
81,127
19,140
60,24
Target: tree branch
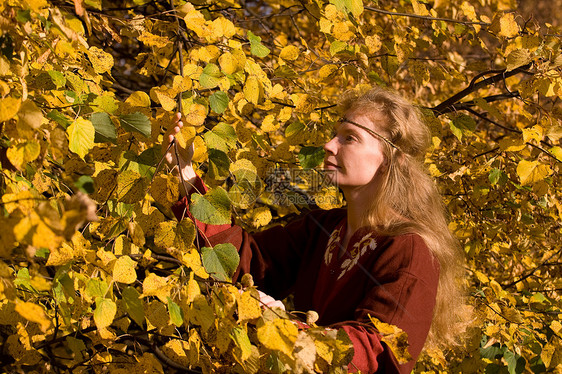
445,105
428,18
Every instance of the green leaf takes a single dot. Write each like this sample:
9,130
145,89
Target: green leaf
136,122
461,125
210,77
59,118
294,128
354,7
58,78
285,71
105,129
105,312
81,134
337,46
85,184
221,261
176,315
256,47
493,351
96,288
515,363
221,137
218,102
240,338
23,279
219,164
311,157
133,305
213,208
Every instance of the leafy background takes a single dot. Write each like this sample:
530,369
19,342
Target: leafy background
97,275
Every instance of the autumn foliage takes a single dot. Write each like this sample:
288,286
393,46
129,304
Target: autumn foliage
97,275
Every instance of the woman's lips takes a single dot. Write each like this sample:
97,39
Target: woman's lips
329,165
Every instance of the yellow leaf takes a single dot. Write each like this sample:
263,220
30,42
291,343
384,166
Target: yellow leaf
249,305
124,270
279,335
138,99
289,53
153,285
261,216
34,313
181,84
517,58
469,11
131,187
420,10
395,338
105,312
9,107
530,172
165,96
81,134
536,132
328,198
101,60
228,63
342,32
373,43
222,27
512,144
60,256
195,114
186,136
152,40
195,21
175,350
192,288
200,154
30,115
23,153
253,90
164,189
508,26
36,5
192,259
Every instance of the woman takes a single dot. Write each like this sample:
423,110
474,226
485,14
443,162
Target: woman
389,254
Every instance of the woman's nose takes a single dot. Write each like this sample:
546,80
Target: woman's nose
331,146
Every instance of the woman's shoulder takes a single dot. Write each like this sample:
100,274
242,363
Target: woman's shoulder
408,251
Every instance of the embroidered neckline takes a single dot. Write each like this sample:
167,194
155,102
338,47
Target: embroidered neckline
361,243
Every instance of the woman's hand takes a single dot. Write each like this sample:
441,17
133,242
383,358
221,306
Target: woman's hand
269,301
184,156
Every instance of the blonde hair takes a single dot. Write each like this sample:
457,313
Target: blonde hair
408,201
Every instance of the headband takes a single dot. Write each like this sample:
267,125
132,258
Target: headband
372,132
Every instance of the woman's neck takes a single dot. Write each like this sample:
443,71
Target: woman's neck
358,202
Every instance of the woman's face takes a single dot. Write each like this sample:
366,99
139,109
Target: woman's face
354,156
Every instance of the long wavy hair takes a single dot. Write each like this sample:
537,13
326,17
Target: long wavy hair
407,201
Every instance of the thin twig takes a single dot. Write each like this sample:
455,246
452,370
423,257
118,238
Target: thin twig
428,18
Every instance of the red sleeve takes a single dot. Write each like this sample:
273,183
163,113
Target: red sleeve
181,210
272,255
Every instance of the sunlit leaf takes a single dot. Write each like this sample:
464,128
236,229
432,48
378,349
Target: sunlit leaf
105,312
81,135
279,335
220,261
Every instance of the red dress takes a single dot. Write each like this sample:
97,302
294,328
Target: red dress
391,278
